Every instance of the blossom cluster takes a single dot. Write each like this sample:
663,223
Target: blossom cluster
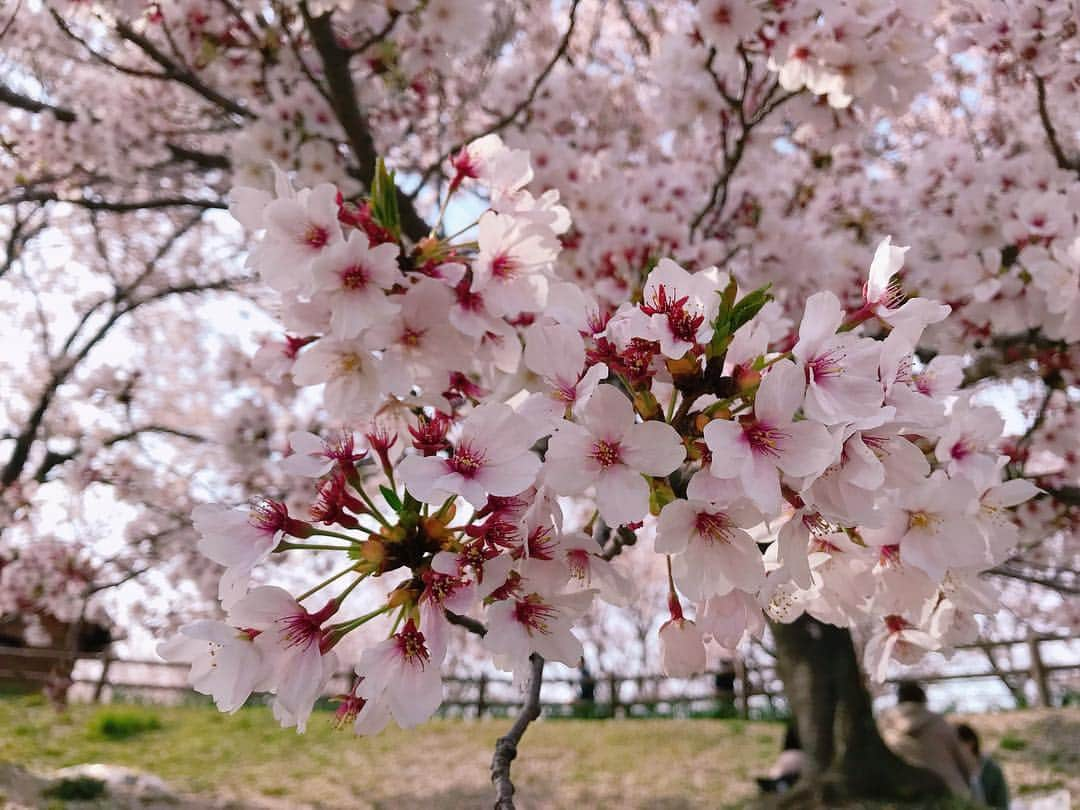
496,423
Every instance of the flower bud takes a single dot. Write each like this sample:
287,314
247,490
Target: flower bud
682,648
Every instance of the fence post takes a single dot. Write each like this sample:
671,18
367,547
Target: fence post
613,689
1038,671
481,694
103,680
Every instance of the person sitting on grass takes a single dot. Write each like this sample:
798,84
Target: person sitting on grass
988,785
926,740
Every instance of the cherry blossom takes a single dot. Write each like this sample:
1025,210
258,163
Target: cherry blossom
611,451
758,448
353,276
401,672
490,457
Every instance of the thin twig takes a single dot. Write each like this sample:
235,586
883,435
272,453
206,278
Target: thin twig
181,74
1063,160
472,625
118,206
506,746
509,117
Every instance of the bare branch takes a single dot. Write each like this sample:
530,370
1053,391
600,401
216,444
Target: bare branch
1049,582
174,72
509,117
343,98
204,160
16,99
21,452
639,35
118,206
472,625
506,746
1063,160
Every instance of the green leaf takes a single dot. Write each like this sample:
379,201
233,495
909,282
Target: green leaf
748,307
384,201
733,315
390,497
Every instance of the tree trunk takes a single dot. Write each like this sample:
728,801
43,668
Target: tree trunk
833,714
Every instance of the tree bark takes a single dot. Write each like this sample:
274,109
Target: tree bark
833,713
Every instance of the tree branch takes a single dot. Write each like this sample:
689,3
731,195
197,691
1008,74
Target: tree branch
1045,582
180,74
343,98
509,117
118,207
470,624
506,746
1063,160
15,99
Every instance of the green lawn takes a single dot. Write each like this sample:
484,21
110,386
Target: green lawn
562,763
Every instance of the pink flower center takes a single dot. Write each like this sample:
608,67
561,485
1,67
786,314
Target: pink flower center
316,236
722,15
829,364
267,515
466,460
889,555
301,629
534,614
606,453
895,623
541,544
577,560
412,337
961,450
763,438
410,643
468,300
504,266
713,527
566,393
683,325
355,277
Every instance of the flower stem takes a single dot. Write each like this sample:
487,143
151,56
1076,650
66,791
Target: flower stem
283,546
342,628
326,582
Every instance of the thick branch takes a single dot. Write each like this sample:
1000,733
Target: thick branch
343,97
506,746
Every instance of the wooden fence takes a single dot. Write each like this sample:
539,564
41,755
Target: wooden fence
746,688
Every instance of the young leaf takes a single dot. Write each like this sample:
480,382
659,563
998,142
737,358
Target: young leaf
384,202
391,498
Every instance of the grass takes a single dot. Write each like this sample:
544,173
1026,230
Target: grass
684,764
123,723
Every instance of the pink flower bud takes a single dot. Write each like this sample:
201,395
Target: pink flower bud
682,648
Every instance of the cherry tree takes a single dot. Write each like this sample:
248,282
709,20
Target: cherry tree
631,277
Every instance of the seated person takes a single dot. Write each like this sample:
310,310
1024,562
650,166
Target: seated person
788,767
989,784
926,740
